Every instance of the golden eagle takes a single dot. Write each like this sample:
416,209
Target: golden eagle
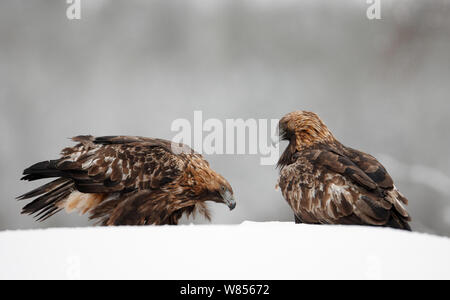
123,180
326,182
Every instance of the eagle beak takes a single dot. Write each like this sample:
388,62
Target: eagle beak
231,204
228,199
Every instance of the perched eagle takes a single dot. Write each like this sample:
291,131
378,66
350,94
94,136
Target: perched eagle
123,180
325,182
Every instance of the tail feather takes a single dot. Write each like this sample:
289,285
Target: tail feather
43,189
49,213
48,198
398,222
44,169
50,195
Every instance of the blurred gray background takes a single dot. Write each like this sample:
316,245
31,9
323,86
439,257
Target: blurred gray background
132,67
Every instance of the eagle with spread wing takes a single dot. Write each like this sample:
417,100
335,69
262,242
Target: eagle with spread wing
124,180
326,182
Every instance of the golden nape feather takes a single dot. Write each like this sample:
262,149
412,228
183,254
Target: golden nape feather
123,180
326,182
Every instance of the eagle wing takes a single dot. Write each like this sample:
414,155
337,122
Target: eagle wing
371,166
141,207
116,164
326,186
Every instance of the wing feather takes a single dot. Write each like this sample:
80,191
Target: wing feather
325,186
112,164
370,166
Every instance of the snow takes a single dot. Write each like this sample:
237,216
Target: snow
269,250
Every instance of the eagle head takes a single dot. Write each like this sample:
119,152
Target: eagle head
304,129
211,186
221,191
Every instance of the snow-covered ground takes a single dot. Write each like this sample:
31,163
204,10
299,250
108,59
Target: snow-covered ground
247,251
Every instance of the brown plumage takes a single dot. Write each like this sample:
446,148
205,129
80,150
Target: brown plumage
123,180
325,182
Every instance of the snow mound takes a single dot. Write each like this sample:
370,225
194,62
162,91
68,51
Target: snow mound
270,250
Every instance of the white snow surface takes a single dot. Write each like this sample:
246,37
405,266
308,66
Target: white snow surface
269,250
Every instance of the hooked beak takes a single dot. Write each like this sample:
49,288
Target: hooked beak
228,199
